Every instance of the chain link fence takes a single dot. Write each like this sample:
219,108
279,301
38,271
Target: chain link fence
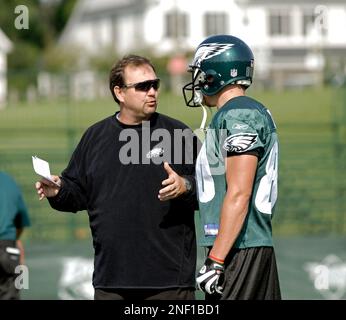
312,185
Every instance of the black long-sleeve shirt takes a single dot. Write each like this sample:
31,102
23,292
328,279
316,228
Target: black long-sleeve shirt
139,241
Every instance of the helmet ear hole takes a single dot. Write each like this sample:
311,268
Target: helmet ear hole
210,78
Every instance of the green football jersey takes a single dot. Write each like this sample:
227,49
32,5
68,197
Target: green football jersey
241,125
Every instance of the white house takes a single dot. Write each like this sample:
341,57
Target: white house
162,25
295,40
5,48
292,40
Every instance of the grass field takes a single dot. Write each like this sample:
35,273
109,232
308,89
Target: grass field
312,185
289,107
309,126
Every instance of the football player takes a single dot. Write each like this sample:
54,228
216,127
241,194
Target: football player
237,172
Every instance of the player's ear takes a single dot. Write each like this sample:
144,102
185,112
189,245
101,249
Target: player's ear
119,93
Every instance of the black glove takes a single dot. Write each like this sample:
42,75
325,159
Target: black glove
210,277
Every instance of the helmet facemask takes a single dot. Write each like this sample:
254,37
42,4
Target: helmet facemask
192,91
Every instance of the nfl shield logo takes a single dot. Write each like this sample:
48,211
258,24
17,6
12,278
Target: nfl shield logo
234,72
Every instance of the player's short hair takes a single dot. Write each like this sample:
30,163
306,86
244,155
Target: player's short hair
116,76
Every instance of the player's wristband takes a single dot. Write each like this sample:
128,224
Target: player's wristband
216,259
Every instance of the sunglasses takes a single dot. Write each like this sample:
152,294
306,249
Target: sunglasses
145,85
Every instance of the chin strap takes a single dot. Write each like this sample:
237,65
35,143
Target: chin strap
204,119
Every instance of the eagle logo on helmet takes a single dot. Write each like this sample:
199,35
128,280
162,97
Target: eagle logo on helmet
240,142
209,50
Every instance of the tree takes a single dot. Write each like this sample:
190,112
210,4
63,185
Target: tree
47,18
7,17
62,14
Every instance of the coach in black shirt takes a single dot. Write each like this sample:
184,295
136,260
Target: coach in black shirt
134,174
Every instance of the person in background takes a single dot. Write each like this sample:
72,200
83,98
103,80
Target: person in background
14,217
137,183
237,173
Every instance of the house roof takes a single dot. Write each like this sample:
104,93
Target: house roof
103,5
94,9
5,43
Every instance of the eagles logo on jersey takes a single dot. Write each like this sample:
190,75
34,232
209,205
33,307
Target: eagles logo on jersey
240,142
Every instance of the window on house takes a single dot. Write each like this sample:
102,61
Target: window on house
114,30
312,20
308,22
176,25
279,24
215,23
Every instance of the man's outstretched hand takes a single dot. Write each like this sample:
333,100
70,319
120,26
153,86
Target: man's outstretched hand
174,185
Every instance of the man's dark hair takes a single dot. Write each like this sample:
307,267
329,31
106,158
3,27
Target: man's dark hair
116,76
